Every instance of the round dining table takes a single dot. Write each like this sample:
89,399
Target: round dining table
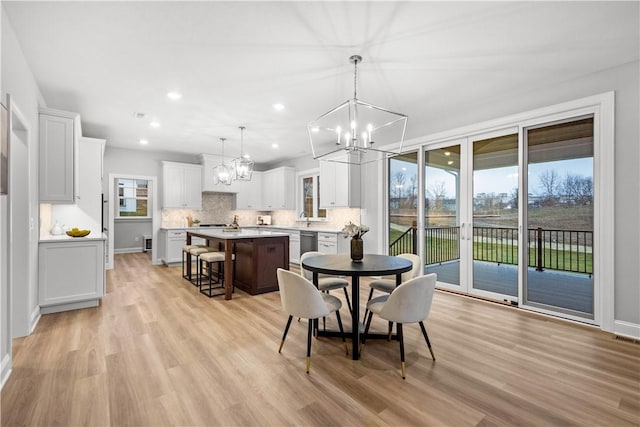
342,265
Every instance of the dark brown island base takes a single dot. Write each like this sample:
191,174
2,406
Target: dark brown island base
258,255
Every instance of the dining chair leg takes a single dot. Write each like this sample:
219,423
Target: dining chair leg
402,364
286,330
426,337
346,295
342,331
310,331
389,331
366,310
366,331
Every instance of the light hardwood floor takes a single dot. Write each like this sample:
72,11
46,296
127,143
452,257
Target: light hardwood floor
158,353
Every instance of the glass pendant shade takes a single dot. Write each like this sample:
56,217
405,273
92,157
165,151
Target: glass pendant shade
356,127
222,173
242,166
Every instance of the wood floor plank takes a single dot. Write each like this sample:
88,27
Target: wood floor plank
157,352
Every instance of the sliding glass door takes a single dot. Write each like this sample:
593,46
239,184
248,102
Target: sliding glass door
521,213
442,215
559,218
494,225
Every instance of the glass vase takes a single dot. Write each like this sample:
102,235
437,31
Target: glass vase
357,250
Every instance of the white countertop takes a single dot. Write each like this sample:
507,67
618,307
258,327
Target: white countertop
262,227
65,238
298,228
192,228
239,234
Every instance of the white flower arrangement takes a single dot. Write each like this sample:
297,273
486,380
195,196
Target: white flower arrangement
354,231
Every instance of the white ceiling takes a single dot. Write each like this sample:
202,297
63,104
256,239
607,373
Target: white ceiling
233,60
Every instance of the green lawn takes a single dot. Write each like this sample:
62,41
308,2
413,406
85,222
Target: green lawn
441,250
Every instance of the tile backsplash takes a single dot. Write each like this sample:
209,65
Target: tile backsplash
217,208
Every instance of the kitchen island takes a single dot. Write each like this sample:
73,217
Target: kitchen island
258,253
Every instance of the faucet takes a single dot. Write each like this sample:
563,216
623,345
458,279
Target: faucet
303,215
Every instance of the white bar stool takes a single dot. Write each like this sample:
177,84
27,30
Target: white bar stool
206,261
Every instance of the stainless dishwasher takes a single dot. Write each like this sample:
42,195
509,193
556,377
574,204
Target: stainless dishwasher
308,241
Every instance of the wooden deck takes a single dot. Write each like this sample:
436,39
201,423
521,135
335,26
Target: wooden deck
571,291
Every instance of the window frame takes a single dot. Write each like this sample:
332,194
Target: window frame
120,199
300,177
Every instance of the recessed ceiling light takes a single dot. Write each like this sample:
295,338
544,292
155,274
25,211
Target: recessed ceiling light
144,142
174,95
315,129
278,107
450,162
274,146
154,124
447,153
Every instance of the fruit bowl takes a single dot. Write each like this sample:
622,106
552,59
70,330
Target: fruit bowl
74,232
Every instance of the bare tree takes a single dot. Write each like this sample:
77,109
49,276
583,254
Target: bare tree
397,187
550,183
578,189
438,191
514,198
413,190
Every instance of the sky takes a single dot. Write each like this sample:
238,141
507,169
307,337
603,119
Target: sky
500,180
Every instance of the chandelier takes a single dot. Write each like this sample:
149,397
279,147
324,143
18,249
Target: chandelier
222,174
356,127
242,166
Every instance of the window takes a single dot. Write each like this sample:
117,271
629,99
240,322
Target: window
310,196
133,198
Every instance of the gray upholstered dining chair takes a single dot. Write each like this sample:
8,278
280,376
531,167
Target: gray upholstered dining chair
326,283
388,283
300,298
408,303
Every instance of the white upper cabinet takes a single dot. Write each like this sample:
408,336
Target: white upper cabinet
249,196
59,135
278,189
339,184
181,185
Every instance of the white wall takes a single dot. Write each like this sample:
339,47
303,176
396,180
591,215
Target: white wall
18,81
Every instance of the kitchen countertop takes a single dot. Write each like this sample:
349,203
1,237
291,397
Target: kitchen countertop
65,238
299,228
239,234
265,227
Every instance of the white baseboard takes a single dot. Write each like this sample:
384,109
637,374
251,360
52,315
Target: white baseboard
126,250
34,319
5,370
627,329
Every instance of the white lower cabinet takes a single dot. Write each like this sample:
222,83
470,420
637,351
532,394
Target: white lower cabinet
332,243
294,247
171,247
328,243
171,244
71,274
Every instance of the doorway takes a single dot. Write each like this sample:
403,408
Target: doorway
131,205
23,237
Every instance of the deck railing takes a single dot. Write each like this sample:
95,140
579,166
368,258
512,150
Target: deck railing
563,250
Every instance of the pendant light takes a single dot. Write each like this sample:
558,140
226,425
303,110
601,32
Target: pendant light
356,127
222,174
242,166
